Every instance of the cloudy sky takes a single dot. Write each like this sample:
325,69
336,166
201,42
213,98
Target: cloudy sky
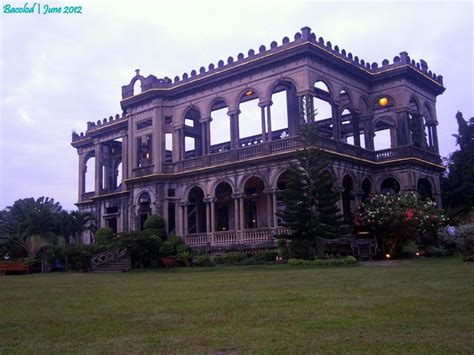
60,71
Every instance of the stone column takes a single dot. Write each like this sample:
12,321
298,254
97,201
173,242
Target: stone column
98,169
356,129
270,211
275,209
434,133
369,134
125,160
242,212
234,128
269,121
82,176
186,219
182,145
206,139
262,110
336,122
176,144
213,219
208,217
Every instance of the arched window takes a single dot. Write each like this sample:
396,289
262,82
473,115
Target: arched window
192,134
89,183
367,189
323,108
347,197
224,208
220,127
196,210
144,208
250,127
255,204
390,186
424,189
137,87
281,186
284,110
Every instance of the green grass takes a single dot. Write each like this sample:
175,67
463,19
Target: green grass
424,306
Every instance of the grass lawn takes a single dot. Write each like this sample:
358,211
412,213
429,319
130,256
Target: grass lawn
420,306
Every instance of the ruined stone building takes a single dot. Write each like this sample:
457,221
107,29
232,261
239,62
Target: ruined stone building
208,150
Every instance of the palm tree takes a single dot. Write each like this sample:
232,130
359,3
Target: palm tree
31,224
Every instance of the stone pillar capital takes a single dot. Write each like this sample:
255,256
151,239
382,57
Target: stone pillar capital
265,103
205,119
209,199
270,191
237,195
233,112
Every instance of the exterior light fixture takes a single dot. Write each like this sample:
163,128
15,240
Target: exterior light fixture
387,256
248,93
383,101
148,155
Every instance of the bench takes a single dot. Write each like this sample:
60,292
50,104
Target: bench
12,266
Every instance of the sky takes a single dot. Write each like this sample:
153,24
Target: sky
59,71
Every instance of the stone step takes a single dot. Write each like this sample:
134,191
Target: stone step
122,264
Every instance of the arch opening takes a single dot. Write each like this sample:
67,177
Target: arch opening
390,186
255,204
224,208
196,211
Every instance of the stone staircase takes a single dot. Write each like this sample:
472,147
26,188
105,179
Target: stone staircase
112,260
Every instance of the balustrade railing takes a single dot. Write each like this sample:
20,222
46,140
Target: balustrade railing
143,170
87,195
226,238
219,158
250,151
193,163
257,235
196,240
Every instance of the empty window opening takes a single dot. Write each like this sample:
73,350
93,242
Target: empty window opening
90,175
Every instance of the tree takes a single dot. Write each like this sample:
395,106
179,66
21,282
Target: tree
458,183
398,219
29,226
310,210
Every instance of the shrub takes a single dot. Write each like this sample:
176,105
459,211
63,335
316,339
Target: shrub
203,260
104,236
230,258
397,219
154,222
142,248
185,256
167,249
409,249
283,250
465,241
346,260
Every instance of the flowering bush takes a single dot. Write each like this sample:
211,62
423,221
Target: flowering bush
397,219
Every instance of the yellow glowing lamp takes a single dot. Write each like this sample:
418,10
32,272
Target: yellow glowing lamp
249,93
148,155
383,101
387,256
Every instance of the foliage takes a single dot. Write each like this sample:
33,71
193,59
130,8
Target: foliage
154,222
311,210
282,247
203,260
185,256
458,183
397,219
409,249
143,249
229,258
167,249
346,260
173,246
465,241
104,236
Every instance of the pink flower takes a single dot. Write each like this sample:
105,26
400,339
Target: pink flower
409,214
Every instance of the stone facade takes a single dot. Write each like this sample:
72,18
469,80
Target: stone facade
160,155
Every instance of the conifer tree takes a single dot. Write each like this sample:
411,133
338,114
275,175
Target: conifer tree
311,210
